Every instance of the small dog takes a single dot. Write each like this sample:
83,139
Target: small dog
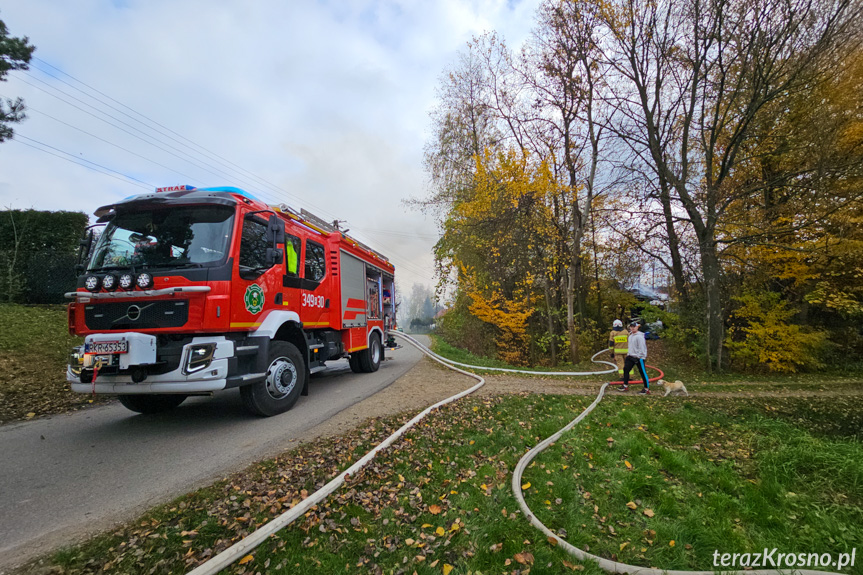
669,387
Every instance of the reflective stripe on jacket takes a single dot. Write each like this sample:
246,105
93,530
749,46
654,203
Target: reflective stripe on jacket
619,340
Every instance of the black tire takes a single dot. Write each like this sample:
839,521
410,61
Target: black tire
370,358
286,377
354,362
157,403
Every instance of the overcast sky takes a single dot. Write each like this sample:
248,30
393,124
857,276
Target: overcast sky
320,105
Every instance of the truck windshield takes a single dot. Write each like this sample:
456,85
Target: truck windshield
176,237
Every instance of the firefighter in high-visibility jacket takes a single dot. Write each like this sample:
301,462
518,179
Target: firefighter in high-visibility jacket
617,343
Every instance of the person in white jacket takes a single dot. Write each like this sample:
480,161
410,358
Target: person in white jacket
636,354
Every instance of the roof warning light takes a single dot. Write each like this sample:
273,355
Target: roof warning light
175,189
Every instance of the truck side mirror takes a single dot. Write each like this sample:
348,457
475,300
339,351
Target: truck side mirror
275,236
277,226
84,248
275,256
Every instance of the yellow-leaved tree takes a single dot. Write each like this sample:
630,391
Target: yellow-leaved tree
762,337
497,241
509,316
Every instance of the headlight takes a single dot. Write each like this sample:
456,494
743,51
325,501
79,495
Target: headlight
145,281
127,282
200,357
92,283
109,282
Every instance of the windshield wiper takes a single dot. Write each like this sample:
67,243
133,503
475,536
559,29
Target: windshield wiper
173,265
106,269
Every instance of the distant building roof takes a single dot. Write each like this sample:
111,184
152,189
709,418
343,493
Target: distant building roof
643,292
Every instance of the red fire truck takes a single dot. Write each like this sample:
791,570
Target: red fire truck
188,291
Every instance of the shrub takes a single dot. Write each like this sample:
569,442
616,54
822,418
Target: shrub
762,337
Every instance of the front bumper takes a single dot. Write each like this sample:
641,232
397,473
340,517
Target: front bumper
140,364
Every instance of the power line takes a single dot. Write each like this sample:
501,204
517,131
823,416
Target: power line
188,158
213,154
401,234
75,160
32,109
185,156
148,186
255,184
411,266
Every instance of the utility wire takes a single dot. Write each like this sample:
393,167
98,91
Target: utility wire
213,154
274,193
255,181
275,189
75,160
32,109
187,158
401,234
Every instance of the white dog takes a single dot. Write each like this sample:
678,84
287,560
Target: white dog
669,386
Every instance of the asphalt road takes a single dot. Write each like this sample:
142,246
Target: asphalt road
68,476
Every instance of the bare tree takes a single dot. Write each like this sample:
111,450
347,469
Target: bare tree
462,127
693,76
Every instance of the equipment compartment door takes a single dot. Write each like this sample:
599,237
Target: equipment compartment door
353,279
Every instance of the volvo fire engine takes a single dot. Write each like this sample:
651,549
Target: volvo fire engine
188,291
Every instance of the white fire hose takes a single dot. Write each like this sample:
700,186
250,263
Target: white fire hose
242,547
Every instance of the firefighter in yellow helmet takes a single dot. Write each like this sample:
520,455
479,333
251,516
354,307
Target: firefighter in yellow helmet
617,343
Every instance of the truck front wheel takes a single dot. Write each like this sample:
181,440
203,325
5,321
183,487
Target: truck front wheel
151,403
286,377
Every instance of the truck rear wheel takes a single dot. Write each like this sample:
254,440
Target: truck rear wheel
286,377
370,358
157,403
354,362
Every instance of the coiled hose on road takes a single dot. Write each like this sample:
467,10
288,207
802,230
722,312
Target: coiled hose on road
244,546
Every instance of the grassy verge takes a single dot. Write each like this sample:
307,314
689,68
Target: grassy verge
702,474
34,348
667,484
836,381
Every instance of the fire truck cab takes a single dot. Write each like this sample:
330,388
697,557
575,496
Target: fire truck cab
188,291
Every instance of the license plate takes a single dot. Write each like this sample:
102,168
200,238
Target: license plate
107,347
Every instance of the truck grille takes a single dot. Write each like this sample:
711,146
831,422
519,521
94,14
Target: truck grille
137,315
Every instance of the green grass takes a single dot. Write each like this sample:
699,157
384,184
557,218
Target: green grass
836,380
36,329
717,473
710,480
448,351
34,348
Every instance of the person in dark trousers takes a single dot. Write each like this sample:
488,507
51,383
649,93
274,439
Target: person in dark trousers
617,344
637,353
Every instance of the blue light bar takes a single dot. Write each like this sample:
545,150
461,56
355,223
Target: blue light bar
231,190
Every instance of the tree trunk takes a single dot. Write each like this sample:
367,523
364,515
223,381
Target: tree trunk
680,285
551,331
715,327
599,321
578,264
570,316
574,293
